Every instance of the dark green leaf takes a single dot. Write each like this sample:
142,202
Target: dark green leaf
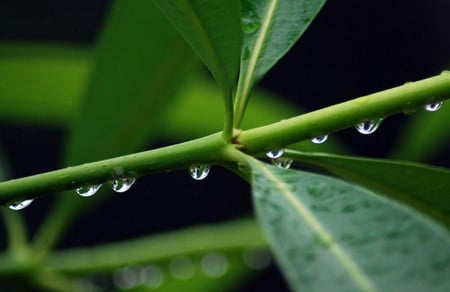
41,83
212,28
329,235
424,187
270,29
425,134
140,63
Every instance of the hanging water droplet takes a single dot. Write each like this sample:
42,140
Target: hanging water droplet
182,268
274,154
319,139
87,191
214,264
125,278
368,127
433,106
199,171
20,205
282,162
257,257
121,185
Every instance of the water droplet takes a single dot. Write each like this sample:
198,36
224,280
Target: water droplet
282,162
319,139
20,205
214,264
126,278
274,154
151,276
368,127
87,191
257,258
182,268
199,171
250,22
433,106
122,185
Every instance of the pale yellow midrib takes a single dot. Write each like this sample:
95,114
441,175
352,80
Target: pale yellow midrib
360,278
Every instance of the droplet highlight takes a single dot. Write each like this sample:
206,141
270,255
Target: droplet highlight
433,106
368,127
214,264
319,139
274,154
250,22
282,162
20,205
199,171
87,191
122,185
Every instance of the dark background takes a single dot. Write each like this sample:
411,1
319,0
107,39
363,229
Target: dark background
352,48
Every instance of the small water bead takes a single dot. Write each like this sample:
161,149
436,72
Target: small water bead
122,185
368,127
126,278
182,268
199,171
151,276
274,154
319,139
20,205
257,258
282,162
87,191
214,264
433,106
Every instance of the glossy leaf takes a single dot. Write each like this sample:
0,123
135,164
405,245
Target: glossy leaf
212,28
422,186
270,29
330,235
424,135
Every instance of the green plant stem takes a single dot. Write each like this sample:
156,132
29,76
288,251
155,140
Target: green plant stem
214,149
230,236
227,132
17,235
405,98
208,149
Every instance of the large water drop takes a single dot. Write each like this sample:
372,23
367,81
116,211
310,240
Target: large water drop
368,127
433,106
121,185
274,154
87,191
20,205
199,171
319,139
282,162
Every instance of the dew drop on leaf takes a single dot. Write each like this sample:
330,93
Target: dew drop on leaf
250,22
121,185
368,127
199,171
87,191
319,139
182,268
151,276
433,106
20,205
282,162
274,154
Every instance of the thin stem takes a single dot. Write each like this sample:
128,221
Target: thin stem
330,119
207,149
195,240
227,132
213,148
15,227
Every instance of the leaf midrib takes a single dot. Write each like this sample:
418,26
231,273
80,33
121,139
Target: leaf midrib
347,262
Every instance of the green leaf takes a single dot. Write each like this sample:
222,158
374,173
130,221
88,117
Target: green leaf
270,29
422,186
41,83
212,28
140,64
424,135
330,235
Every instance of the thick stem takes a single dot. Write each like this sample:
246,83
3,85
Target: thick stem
330,119
214,148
